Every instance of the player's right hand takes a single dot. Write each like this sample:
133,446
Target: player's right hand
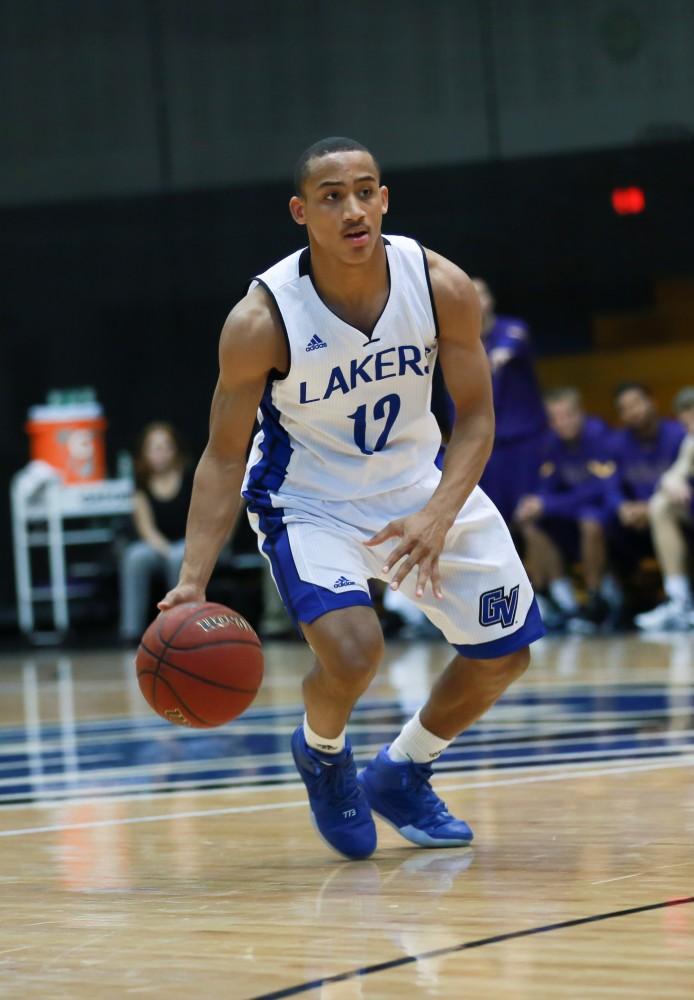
183,593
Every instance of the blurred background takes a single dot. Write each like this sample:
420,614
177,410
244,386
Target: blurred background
147,151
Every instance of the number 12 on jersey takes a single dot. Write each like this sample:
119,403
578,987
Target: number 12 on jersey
386,408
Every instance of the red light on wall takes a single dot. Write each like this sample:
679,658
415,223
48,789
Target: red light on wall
628,201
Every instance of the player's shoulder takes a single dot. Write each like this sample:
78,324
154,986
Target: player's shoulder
447,279
252,335
454,295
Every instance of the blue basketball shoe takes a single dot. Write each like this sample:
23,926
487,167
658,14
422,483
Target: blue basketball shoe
401,794
339,808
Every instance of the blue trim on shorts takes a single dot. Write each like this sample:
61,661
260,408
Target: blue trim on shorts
304,601
532,629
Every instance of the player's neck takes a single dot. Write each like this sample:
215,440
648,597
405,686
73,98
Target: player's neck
338,283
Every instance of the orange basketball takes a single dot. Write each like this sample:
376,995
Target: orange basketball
199,665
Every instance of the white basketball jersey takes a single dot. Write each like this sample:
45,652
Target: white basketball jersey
352,418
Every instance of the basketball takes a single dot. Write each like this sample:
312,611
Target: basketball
199,665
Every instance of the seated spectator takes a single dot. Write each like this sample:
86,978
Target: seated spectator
565,519
671,513
162,495
644,450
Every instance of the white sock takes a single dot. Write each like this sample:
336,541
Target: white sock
677,589
562,593
416,743
325,744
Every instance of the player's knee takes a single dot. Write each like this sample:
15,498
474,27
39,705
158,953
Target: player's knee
356,657
659,506
508,669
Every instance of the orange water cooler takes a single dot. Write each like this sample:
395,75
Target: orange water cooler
69,437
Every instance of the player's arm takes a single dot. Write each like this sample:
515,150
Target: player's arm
466,373
251,346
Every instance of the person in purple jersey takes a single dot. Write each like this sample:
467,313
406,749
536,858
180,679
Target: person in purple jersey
511,472
644,449
671,512
566,518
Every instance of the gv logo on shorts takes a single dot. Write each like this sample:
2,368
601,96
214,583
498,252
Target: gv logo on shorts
497,607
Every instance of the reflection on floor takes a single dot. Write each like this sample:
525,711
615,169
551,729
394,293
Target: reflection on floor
76,725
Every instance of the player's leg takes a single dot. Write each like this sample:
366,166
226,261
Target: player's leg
397,782
321,575
348,645
465,691
489,614
669,541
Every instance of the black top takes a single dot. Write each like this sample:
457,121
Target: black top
170,515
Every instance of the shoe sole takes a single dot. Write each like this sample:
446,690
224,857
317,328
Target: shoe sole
418,837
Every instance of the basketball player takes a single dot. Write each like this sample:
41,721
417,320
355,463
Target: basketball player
334,347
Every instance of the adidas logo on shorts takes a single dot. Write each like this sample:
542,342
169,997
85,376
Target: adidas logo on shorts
315,342
342,582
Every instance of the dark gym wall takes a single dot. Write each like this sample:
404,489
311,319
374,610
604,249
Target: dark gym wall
147,146
115,98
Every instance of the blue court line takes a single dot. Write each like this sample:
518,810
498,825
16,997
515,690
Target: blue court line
394,963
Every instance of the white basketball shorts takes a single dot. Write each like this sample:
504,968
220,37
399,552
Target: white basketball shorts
319,564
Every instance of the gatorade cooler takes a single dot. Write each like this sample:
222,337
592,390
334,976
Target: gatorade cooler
70,438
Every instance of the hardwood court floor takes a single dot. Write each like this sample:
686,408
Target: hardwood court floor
141,859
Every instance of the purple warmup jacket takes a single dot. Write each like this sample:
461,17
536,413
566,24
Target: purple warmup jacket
640,464
518,405
575,476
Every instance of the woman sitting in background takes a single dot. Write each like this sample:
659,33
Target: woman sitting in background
163,486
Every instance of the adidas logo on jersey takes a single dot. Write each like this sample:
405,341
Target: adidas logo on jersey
342,581
315,342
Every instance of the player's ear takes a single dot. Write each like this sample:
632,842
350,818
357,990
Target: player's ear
296,209
384,198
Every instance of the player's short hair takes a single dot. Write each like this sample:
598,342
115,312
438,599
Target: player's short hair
628,387
684,400
562,392
331,144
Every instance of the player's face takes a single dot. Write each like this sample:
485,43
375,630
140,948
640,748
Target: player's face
565,418
342,205
159,451
636,410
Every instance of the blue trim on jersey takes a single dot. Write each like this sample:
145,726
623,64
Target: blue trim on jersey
532,629
268,473
304,601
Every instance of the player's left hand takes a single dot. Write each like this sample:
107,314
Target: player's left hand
423,536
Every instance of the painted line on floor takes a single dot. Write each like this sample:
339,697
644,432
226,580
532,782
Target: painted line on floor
298,803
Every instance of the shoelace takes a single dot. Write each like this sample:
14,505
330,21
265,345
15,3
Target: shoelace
419,780
338,782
